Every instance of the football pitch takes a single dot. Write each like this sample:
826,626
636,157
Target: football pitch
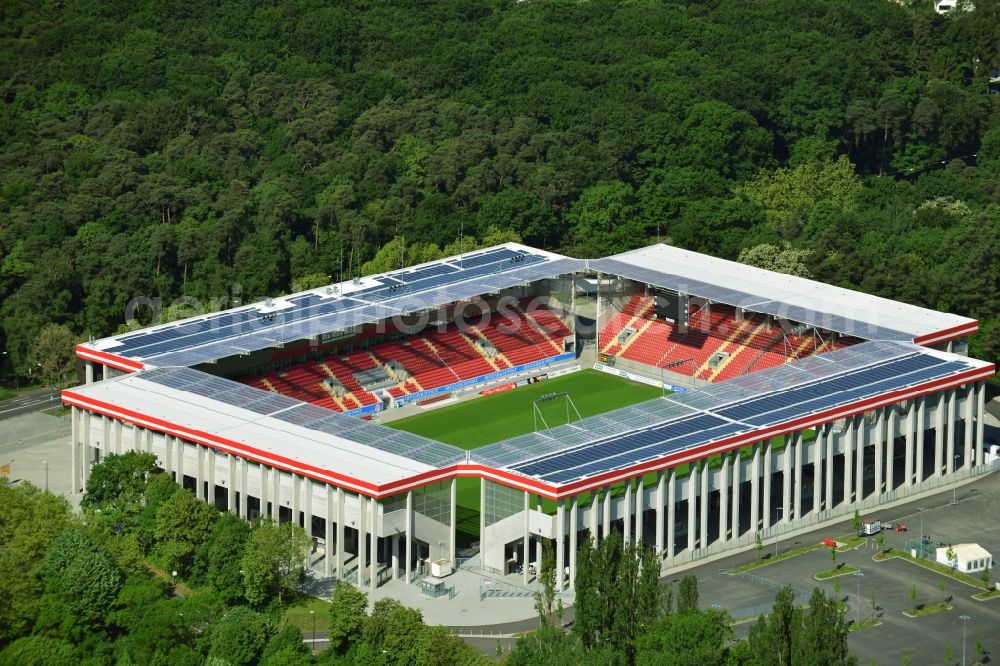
488,419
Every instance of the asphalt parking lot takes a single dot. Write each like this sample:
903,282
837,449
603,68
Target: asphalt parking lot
972,515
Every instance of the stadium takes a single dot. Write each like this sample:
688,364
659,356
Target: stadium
466,411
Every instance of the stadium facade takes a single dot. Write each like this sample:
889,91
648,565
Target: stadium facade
791,403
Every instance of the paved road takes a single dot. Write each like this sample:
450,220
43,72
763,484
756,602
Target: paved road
29,401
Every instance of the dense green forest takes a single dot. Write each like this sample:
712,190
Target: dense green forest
177,148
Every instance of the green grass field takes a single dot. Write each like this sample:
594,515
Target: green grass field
491,418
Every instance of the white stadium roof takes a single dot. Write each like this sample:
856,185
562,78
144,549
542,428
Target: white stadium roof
786,296
267,427
378,461
329,309
307,314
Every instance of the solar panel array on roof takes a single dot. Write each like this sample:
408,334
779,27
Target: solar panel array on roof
683,421
248,329
289,410
733,296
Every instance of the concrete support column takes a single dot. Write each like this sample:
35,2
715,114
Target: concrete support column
169,458
560,544
307,519
660,489
340,535
573,516
244,489
766,509
328,534
786,479
409,536
890,448
394,575
755,490
798,462
86,454
980,419
860,439
179,447
921,427
911,426
970,398
597,322
939,434
482,530
117,436
671,512
88,369
724,498
595,508
627,520
878,437
527,538
640,506
703,518
276,495
949,452
453,526
539,555
607,511
296,497
828,478
74,450
737,473
107,446
849,438
362,526
199,472
692,526
373,574
818,445
210,464
231,486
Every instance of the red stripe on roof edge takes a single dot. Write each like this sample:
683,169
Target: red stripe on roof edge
967,328
517,481
113,360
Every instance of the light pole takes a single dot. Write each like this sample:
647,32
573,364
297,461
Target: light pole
857,620
45,464
964,619
921,510
312,614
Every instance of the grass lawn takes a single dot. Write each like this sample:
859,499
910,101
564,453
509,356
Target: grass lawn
928,610
844,570
986,595
488,419
298,614
848,541
865,624
8,393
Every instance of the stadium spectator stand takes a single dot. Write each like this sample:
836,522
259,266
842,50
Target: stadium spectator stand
717,345
432,358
